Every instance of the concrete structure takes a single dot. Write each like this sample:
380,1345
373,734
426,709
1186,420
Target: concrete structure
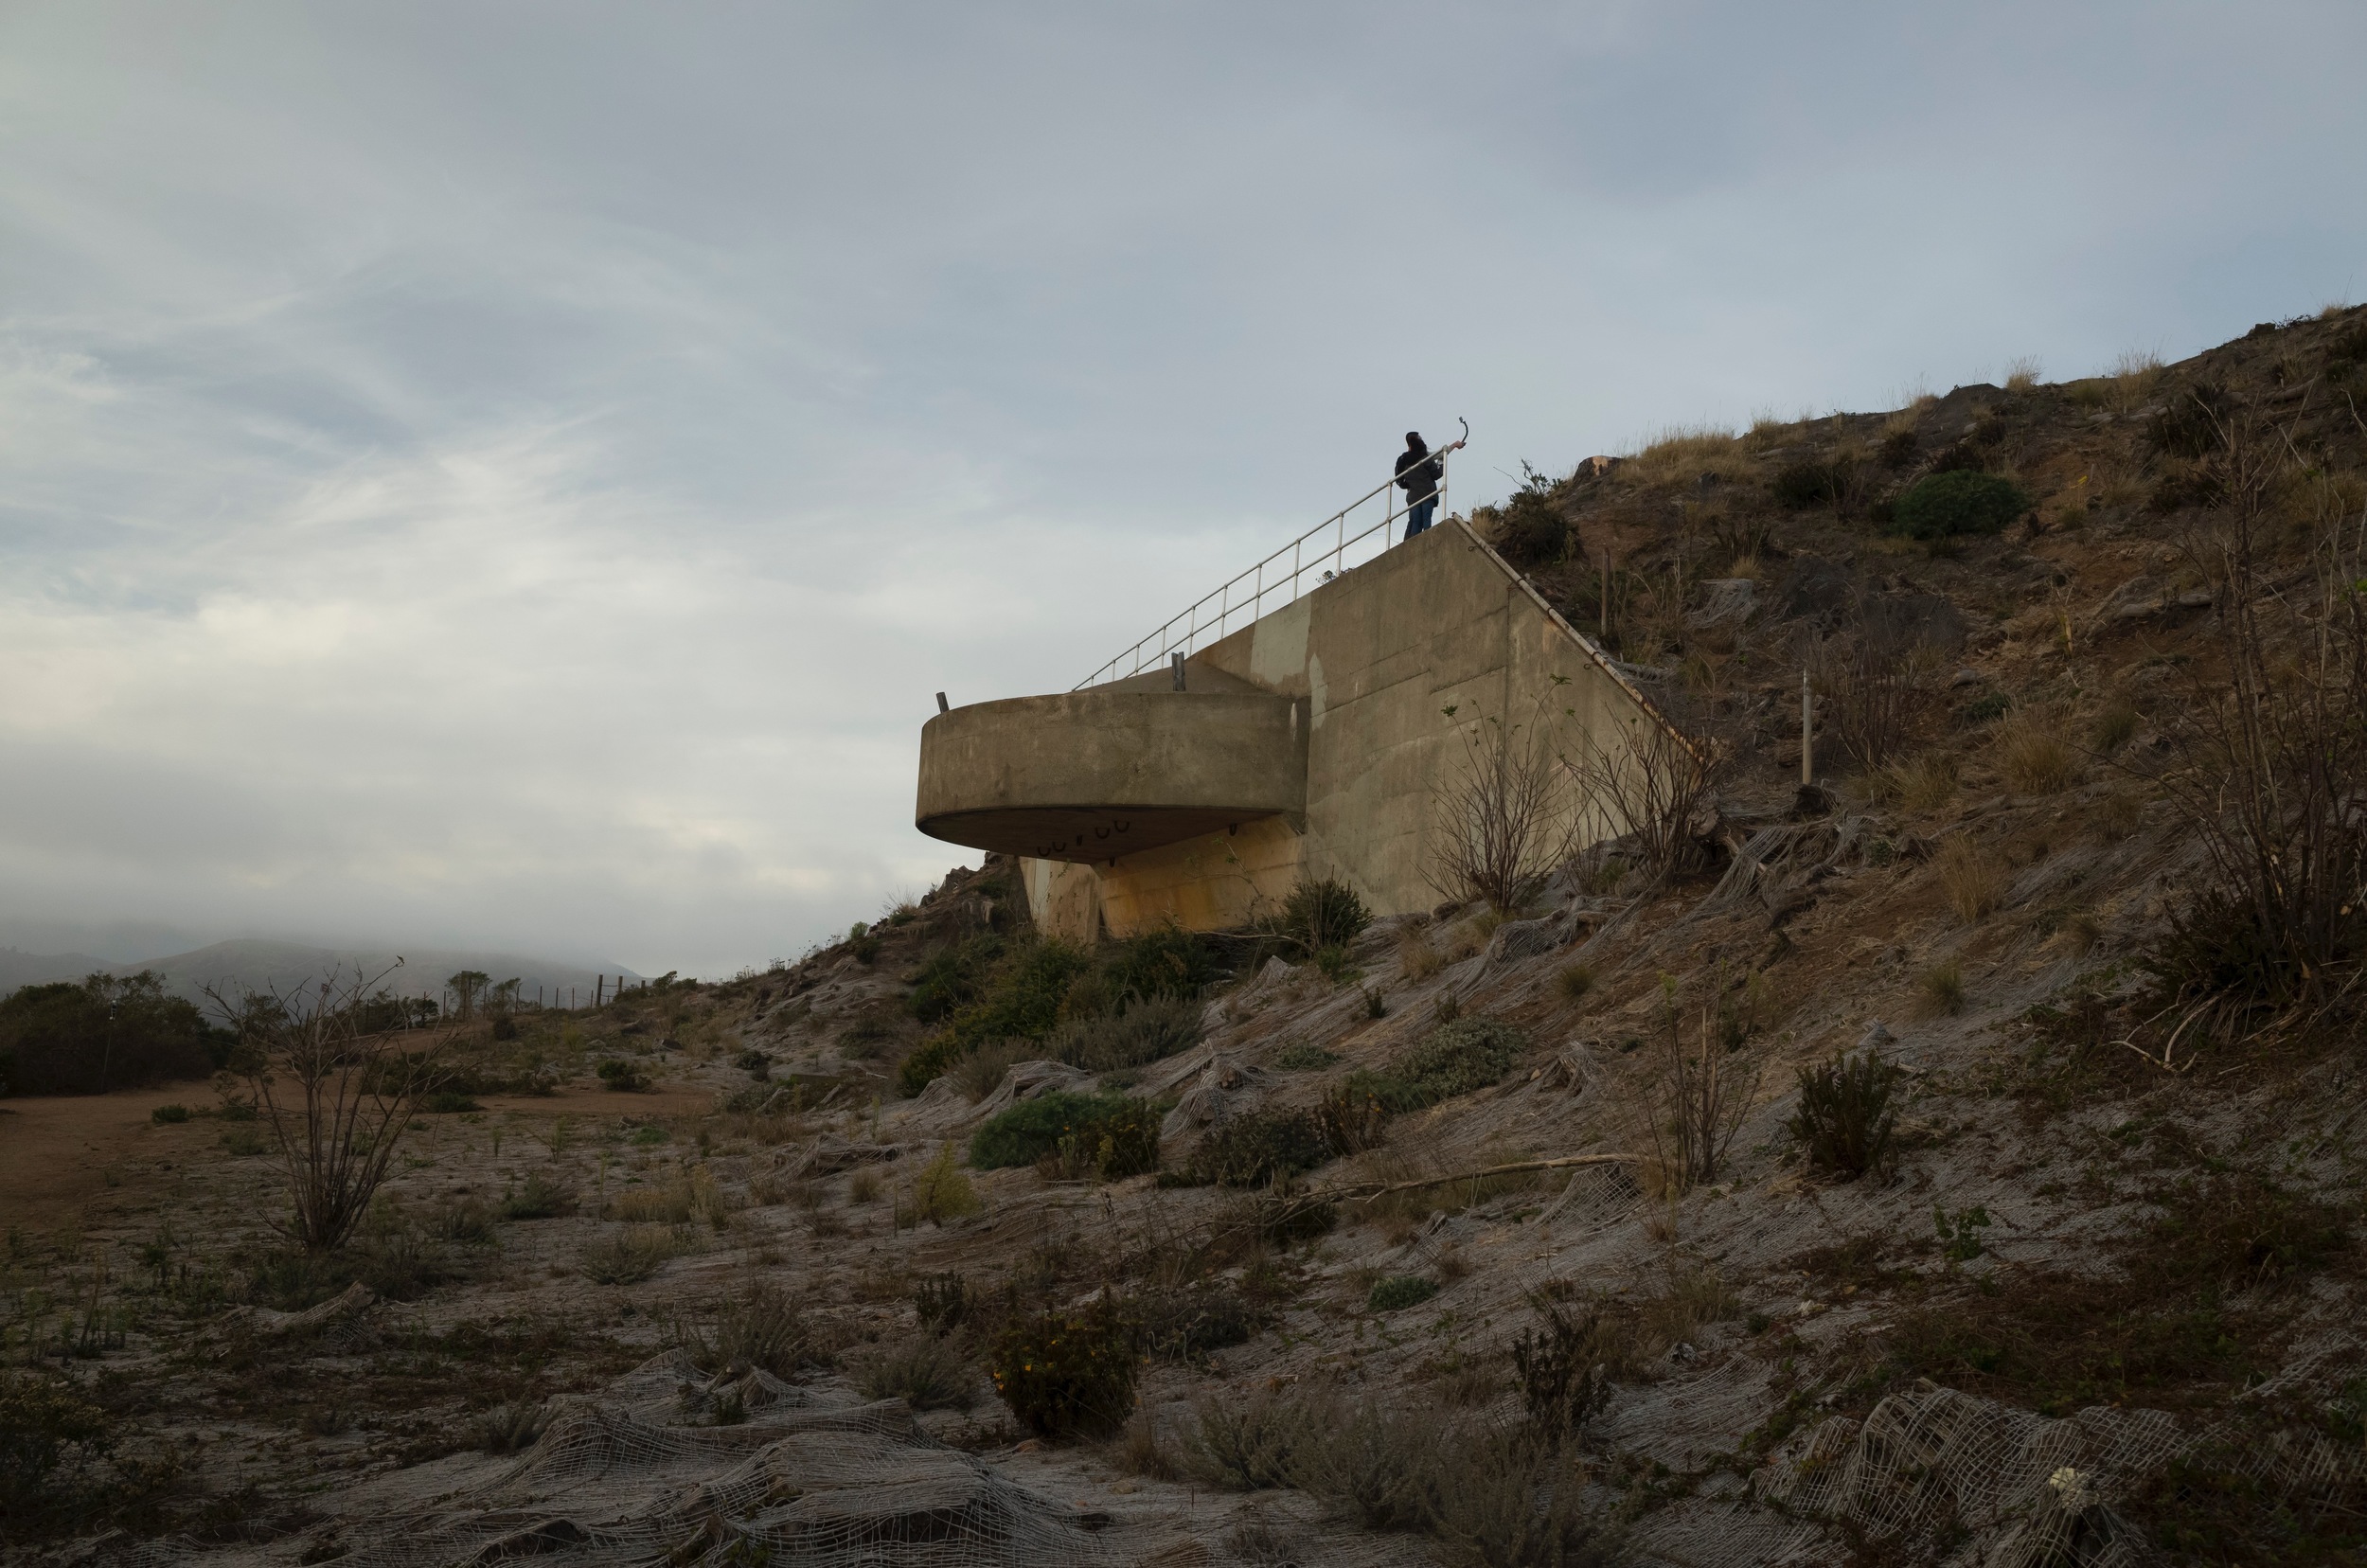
1318,742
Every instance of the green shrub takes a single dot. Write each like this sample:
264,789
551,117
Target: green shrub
446,1102
1022,1001
942,1192
1266,1440
539,1197
169,1113
1302,1057
1068,1371
1530,530
1325,913
622,1075
1962,501
1800,486
925,1372
105,1032
1147,1031
953,978
1457,1057
1257,1148
631,1254
1123,1144
762,1330
1845,1120
1033,1128
1564,1366
1398,1291
942,1302
1166,961
48,1433
1185,1326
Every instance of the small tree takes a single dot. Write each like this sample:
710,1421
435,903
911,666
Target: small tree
337,1096
466,988
1697,1099
1648,786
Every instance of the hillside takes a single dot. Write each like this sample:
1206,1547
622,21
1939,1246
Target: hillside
1526,1235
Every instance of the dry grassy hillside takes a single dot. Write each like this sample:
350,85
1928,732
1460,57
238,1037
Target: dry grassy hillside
1953,1163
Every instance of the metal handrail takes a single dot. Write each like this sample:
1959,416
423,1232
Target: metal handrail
1182,633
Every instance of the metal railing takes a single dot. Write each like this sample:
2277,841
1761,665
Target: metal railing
1278,579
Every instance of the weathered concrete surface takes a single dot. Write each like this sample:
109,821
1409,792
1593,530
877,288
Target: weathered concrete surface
1402,666
1091,775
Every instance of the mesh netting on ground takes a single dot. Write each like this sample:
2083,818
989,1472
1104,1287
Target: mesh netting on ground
642,1474
2022,1489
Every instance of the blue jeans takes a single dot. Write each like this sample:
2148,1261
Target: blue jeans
1417,516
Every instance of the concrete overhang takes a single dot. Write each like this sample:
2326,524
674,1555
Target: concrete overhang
1089,776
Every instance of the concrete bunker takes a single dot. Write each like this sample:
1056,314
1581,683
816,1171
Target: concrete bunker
1314,741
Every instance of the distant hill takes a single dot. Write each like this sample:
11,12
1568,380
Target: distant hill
250,965
247,965
33,969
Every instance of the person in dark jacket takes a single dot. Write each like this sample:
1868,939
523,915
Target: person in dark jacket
1419,474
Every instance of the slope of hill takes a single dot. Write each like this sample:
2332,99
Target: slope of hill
34,969
1936,1165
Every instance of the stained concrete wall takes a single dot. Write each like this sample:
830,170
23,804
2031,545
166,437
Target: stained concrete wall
1397,661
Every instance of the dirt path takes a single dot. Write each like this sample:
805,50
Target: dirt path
57,1152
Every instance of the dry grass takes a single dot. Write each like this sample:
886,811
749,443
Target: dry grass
2116,726
1973,881
2116,816
1682,454
2134,378
631,1254
925,1372
1942,988
1418,958
1574,981
2034,754
2023,375
681,1199
1921,783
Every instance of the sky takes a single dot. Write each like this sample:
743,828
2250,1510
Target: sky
516,474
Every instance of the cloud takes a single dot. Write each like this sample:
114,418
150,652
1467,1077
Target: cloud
518,475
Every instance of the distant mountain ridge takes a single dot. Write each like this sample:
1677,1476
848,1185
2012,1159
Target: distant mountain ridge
250,964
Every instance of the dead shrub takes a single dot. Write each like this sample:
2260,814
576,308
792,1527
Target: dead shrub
1505,818
1921,783
1417,959
336,1093
1506,1502
1695,1100
2268,757
1973,881
1648,787
1877,686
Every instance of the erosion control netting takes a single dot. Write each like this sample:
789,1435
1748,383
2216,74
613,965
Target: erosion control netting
2022,1489
642,1474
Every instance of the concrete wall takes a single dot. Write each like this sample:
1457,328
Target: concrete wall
1398,662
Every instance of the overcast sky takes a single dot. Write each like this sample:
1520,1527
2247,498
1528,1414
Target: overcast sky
517,472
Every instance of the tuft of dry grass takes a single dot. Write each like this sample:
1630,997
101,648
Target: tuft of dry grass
2023,375
863,1187
980,1072
1574,982
2034,754
1942,988
682,1198
1973,881
1418,957
631,1254
2133,379
2116,726
1920,783
924,1371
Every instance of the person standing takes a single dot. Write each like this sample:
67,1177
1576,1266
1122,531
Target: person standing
1419,474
